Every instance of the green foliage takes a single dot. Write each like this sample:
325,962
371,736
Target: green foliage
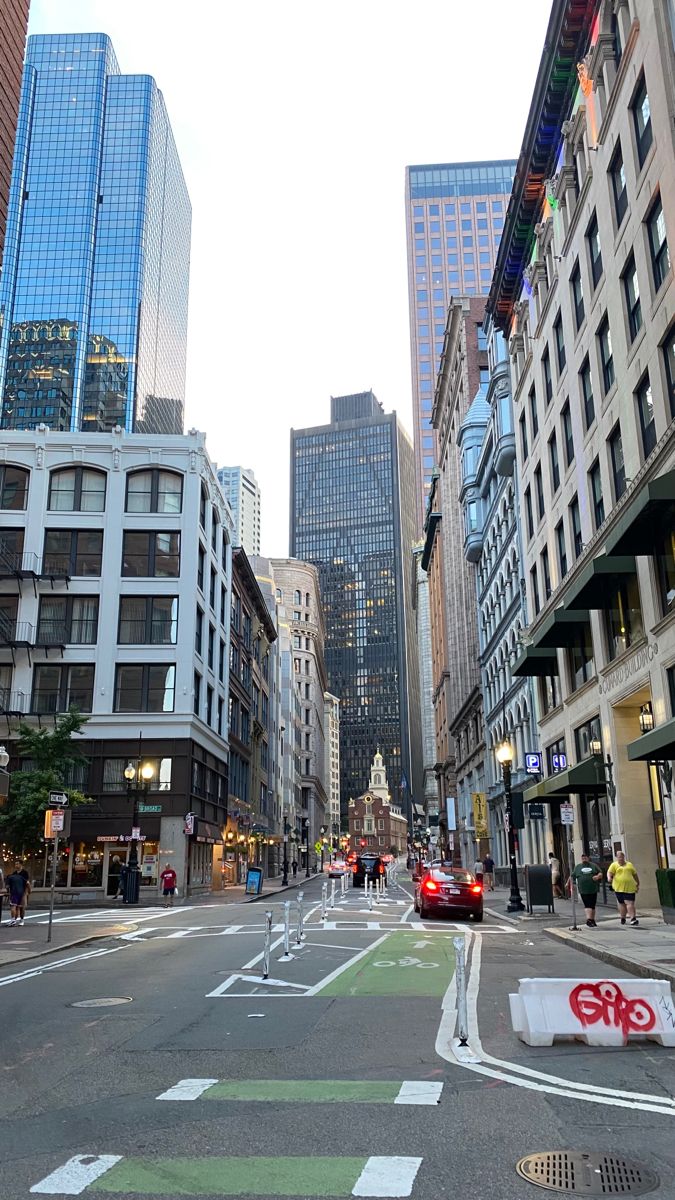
51,753
665,881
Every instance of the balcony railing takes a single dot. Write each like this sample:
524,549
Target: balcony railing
18,564
13,703
16,633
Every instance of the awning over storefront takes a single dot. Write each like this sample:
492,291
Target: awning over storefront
586,776
536,660
561,627
598,580
657,746
206,831
418,811
648,518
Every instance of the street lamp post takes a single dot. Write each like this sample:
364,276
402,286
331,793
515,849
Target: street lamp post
138,778
505,759
305,822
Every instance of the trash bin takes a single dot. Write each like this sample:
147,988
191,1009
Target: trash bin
130,884
538,887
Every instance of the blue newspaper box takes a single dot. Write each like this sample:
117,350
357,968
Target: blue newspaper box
254,881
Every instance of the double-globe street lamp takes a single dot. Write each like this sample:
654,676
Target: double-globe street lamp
138,778
505,759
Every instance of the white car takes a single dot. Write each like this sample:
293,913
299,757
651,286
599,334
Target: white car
336,869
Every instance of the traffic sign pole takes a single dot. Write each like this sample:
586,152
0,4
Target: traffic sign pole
55,853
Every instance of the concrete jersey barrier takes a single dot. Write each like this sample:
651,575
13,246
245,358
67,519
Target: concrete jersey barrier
600,1012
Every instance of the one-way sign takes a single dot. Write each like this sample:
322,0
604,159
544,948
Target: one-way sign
58,800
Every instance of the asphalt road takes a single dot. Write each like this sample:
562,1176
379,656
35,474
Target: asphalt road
321,1080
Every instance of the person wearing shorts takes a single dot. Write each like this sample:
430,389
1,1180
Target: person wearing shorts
17,886
168,878
588,877
624,880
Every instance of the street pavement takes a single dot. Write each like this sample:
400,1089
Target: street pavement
187,1072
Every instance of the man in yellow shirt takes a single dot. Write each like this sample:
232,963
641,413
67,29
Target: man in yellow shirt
624,880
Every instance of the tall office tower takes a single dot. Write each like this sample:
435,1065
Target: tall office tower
454,220
94,290
13,24
353,515
242,490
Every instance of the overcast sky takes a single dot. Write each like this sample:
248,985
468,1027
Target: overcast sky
295,122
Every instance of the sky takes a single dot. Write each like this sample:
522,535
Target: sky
294,123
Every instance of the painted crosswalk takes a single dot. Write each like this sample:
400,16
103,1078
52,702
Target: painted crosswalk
387,1176
303,1091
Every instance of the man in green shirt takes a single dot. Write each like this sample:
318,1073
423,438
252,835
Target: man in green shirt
588,877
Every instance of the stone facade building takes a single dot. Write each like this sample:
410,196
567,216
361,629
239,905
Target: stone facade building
584,291
374,822
457,699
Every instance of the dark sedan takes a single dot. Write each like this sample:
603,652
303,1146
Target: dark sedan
367,866
446,889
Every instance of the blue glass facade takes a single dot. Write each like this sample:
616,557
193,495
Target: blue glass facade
94,291
352,515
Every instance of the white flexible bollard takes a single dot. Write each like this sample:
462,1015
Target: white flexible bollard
266,948
332,893
370,899
287,930
300,931
324,900
460,979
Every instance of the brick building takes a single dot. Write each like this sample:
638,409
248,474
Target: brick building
373,820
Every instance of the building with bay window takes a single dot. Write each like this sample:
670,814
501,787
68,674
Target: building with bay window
115,592
584,291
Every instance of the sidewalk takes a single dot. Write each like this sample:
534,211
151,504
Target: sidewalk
647,950
19,943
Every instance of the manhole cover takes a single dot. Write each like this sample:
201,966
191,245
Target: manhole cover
587,1174
102,1002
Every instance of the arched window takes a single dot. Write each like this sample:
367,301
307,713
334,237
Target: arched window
306,599
154,491
297,597
13,487
77,489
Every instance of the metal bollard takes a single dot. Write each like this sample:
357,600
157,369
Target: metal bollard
324,900
300,931
460,979
266,950
332,893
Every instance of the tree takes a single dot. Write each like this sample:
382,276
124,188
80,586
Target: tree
50,753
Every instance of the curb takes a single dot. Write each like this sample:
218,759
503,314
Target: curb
631,965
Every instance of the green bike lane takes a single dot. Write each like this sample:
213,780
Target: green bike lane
282,1064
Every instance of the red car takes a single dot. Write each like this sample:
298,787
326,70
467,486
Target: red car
446,889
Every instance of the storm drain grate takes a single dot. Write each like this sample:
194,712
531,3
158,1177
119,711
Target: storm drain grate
587,1174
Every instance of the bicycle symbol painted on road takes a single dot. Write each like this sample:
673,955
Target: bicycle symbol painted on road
406,962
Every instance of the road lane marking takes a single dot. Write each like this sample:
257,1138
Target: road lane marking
328,979
419,1091
390,1178
52,966
223,989
187,1089
407,913
74,1176
373,975
317,1091
387,1177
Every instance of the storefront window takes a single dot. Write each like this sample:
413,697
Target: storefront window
87,865
549,692
623,617
113,774
150,864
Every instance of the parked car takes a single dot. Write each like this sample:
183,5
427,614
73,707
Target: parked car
336,869
367,866
443,888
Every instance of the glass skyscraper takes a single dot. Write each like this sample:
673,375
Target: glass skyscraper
454,220
353,516
94,290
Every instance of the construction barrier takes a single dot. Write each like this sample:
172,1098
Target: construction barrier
600,1012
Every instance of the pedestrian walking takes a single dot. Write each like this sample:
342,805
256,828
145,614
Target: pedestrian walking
3,891
295,867
489,873
17,884
29,888
168,878
554,864
478,870
588,877
624,880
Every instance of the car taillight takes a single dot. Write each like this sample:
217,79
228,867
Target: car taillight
477,888
354,869
381,869
430,886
